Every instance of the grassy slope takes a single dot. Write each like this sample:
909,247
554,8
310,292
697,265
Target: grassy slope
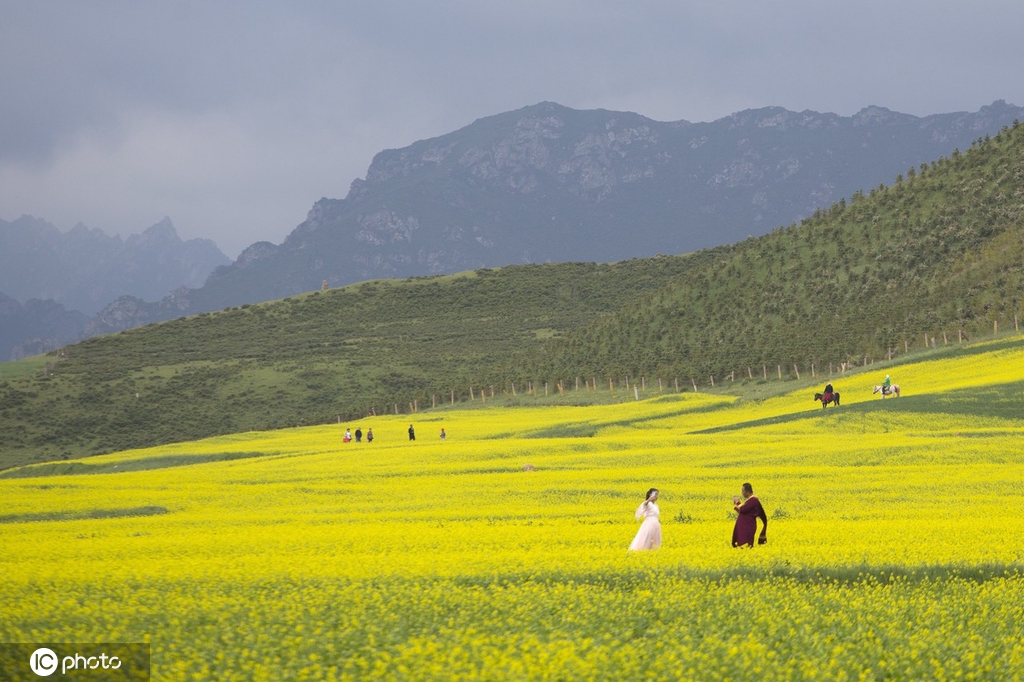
308,359
939,251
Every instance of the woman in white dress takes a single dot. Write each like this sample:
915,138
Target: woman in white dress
649,535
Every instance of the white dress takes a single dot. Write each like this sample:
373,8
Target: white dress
649,535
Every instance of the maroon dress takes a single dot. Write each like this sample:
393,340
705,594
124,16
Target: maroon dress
746,524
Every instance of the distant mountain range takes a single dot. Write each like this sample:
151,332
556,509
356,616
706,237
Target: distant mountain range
52,282
547,183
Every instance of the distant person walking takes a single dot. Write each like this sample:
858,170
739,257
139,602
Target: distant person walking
359,435
442,433
369,435
348,436
750,510
412,433
649,535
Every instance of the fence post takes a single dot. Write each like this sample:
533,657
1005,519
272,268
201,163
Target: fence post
779,367
764,369
796,371
692,381
453,396
995,327
677,384
471,396
712,381
636,393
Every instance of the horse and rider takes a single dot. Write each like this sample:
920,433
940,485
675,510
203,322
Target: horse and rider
828,396
887,388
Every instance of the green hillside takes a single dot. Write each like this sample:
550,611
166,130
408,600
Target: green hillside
940,251
308,359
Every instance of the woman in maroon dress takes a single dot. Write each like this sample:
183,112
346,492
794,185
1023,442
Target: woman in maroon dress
749,510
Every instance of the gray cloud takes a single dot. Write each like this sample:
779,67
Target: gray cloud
234,117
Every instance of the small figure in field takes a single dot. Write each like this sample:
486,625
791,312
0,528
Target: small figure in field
348,436
887,388
359,435
750,510
369,435
649,535
412,433
442,433
828,396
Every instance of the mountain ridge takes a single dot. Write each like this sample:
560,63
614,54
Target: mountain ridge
546,183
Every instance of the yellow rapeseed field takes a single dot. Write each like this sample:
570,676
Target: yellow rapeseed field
895,541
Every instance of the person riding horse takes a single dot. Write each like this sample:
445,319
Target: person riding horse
886,385
827,393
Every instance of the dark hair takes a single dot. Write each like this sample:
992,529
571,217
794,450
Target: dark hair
648,495
749,488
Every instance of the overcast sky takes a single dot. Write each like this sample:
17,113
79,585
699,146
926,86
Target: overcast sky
233,117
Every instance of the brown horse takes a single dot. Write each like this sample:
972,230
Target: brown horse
893,390
826,399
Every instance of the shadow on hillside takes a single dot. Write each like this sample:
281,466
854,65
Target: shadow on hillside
122,466
1005,401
